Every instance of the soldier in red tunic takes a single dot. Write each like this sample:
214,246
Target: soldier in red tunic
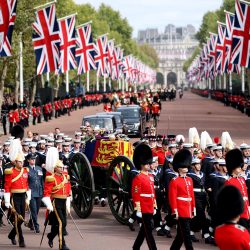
230,206
181,199
143,195
57,190
234,164
17,194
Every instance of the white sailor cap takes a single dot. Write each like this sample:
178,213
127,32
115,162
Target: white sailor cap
25,143
59,141
77,140
244,146
196,161
27,139
217,147
11,138
187,145
172,145
77,133
33,144
42,142
6,143
155,158
67,139
65,143
44,136
222,162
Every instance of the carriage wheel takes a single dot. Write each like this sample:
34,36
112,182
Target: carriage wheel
118,188
83,186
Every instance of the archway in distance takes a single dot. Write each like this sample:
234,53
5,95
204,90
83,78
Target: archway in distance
171,79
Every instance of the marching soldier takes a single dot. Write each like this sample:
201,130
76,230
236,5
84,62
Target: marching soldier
234,163
17,194
57,190
181,199
230,206
143,195
1,188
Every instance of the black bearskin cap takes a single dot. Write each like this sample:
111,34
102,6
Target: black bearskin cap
182,159
142,155
234,159
229,203
14,106
17,131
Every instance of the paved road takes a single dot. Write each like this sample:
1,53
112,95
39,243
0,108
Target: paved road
101,231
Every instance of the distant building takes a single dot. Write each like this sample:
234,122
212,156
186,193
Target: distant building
173,47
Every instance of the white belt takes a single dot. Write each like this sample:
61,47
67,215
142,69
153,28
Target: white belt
199,190
245,198
147,195
184,199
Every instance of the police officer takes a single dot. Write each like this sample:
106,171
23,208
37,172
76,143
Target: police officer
36,187
143,195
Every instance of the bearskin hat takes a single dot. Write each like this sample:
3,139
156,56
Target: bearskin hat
142,155
229,203
14,106
17,131
182,159
234,159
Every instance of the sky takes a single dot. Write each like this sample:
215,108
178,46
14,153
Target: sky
142,14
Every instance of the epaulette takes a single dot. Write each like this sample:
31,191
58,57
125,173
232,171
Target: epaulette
8,171
240,227
68,177
27,169
175,177
49,178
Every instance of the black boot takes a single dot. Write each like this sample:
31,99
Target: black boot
13,240
50,242
193,238
64,247
22,244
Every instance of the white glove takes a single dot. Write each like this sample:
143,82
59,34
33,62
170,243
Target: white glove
28,198
7,200
194,212
154,212
68,203
176,214
47,202
138,214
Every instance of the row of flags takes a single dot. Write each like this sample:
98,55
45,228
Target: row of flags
227,51
60,46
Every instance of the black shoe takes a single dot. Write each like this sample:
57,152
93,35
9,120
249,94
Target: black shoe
131,226
193,238
103,203
37,230
161,232
96,201
65,233
168,233
50,242
210,240
13,240
64,248
22,244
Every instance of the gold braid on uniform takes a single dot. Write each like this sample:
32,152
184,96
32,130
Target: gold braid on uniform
60,225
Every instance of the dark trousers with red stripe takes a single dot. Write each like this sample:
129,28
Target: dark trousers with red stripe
146,232
183,235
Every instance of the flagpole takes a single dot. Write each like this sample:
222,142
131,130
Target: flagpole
47,77
230,82
65,17
21,67
225,81
209,88
97,82
243,80
104,83
110,83
67,82
79,26
44,5
123,84
119,83
87,81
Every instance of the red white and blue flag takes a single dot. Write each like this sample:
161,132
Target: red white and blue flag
212,55
68,44
228,66
102,55
46,40
127,67
116,63
110,57
220,48
7,20
241,35
85,51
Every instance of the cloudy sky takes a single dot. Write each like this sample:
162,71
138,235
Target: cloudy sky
143,14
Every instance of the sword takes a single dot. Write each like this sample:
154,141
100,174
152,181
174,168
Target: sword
45,225
6,217
76,225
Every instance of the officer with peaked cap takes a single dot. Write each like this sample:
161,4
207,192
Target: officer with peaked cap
143,195
234,163
181,199
230,206
245,148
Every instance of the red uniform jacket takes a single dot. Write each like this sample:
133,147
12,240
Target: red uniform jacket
57,186
107,107
158,151
34,113
38,110
143,192
16,181
232,237
22,113
241,185
56,105
16,116
155,108
181,196
11,116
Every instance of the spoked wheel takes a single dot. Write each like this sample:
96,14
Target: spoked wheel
118,188
83,186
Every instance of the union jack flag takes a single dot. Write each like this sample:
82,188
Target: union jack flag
241,35
110,57
116,63
220,47
68,44
228,66
85,51
212,55
46,40
127,67
102,55
7,20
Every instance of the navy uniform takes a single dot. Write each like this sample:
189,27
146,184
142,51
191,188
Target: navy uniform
36,186
207,163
